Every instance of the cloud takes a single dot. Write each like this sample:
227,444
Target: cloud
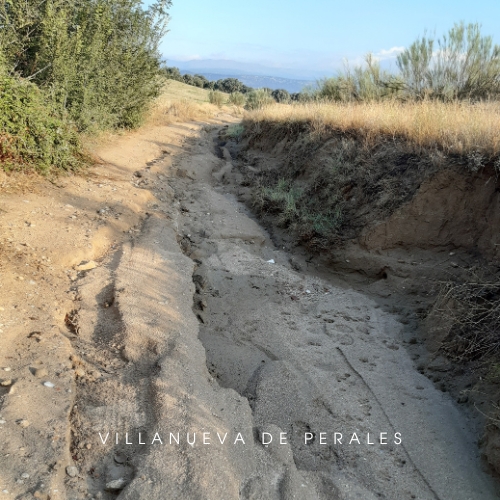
389,54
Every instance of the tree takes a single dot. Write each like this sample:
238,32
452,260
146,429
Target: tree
200,81
97,60
281,95
172,74
229,85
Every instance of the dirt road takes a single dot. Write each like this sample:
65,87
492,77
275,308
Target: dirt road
209,364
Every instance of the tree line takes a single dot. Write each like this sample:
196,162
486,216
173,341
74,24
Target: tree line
228,85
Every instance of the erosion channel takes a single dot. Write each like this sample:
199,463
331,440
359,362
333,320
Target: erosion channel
225,332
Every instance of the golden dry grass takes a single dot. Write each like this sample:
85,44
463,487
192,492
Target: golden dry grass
180,103
458,127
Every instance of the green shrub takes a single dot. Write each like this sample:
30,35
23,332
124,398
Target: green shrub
258,99
32,135
216,97
235,131
281,95
466,65
463,64
97,60
283,199
230,85
237,98
362,84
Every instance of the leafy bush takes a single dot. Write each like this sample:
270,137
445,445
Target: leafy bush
235,132
466,65
237,98
258,99
200,81
216,97
461,65
304,96
281,95
97,60
229,85
32,135
189,80
368,83
172,73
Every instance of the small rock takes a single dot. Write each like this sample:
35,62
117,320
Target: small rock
25,475
48,384
117,484
87,266
271,261
6,383
119,459
23,423
3,422
72,471
7,369
40,372
453,264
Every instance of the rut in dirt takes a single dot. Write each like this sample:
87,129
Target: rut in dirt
316,359
201,324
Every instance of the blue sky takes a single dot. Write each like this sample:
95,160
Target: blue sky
313,36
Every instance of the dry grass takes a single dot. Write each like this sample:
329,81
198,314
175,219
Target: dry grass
473,311
180,103
455,128
19,182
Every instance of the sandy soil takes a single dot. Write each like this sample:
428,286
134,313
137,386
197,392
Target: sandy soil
145,299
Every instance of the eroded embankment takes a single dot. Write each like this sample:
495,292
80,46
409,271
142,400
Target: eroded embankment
307,356
202,325
414,228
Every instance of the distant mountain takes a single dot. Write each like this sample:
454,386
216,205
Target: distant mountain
257,82
227,67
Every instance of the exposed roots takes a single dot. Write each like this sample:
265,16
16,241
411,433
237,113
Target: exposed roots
474,313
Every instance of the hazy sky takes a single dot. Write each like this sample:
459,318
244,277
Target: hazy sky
312,35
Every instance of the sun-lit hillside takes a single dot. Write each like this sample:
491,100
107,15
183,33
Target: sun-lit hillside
181,102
